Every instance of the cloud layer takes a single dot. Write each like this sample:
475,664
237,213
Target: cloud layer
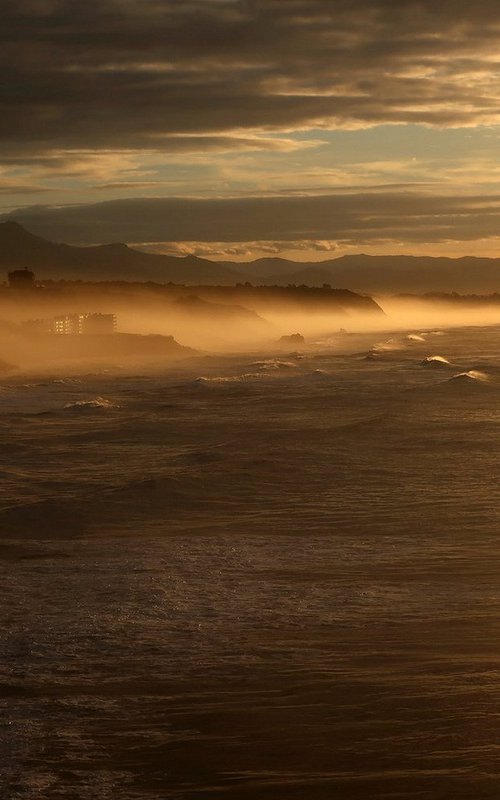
219,98
148,74
345,220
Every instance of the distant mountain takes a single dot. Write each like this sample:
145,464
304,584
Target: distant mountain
264,267
358,273
385,274
19,249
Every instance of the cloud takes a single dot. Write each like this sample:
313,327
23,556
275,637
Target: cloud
124,74
236,250
199,143
14,187
356,219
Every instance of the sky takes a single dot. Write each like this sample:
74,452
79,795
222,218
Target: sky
240,128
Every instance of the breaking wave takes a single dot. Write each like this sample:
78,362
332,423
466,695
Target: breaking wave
435,362
225,380
387,345
263,367
273,364
470,376
415,337
84,406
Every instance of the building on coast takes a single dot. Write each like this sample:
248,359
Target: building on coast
91,324
84,324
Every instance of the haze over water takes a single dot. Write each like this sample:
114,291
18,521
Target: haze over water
255,576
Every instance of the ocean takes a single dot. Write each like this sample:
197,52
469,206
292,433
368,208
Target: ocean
264,575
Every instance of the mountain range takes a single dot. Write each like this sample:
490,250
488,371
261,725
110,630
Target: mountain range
49,260
360,273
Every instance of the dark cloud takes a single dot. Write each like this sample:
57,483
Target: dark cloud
12,187
357,219
128,73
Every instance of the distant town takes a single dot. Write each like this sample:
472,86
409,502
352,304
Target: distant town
76,324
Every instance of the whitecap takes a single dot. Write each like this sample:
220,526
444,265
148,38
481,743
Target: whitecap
388,344
471,375
435,362
227,379
96,404
273,364
218,379
415,337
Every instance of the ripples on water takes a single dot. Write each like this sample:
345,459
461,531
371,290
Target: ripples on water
268,583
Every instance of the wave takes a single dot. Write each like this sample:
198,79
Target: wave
436,362
224,380
85,406
273,364
315,375
264,367
387,345
202,379
415,337
470,376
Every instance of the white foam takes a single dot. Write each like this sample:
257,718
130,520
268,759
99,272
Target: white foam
218,379
415,337
471,375
96,404
273,364
389,344
435,361
228,379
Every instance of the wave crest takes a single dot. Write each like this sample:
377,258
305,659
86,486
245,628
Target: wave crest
96,404
414,337
224,380
471,375
273,364
435,361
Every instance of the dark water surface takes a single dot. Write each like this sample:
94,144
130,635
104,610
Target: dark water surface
280,581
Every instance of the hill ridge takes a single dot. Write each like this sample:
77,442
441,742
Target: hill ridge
19,248
369,274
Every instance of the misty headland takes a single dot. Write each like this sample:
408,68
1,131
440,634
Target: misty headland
165,319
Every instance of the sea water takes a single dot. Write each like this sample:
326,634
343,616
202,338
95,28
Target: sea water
256,576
